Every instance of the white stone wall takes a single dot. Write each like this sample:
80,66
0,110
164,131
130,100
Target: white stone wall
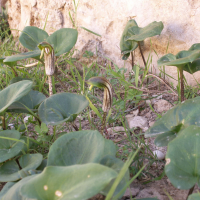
109,17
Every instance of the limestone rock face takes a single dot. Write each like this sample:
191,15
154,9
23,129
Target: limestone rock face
108,18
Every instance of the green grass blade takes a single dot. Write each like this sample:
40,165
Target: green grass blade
90,31
121,175
94,108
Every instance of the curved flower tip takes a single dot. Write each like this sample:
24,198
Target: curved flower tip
101,82
49,57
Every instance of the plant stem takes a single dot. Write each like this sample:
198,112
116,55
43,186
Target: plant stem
182,84
50,86
18,164
74,126
103,122
190,192
132,59
145,64
14,71
3,122
142,55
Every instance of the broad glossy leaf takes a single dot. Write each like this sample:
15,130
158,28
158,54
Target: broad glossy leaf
181,60
13,93
31,100
31,36
42,165
192,67
183,159
176,119
63,40
6,187
116,164
79,147
17,79
14,192
73,182
195,196
61,108
10,170
31,54
195,46
110,148
10,148
127,46
140,34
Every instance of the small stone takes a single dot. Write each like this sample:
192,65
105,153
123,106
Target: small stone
151,124
26,119
135,112
131,192
159,154
11,126
162,106
137,121
149,114
116,130
148,102
150,193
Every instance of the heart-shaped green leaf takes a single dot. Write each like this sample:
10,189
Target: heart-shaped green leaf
10,147
10,170
63,40
127,46
42,165
13,93
61,108
116,164
176,119
30,101
73,182
185,60
17,79
14,192
195,196
31,36
6,187
183,159
31,54
80,147
140,34
192,67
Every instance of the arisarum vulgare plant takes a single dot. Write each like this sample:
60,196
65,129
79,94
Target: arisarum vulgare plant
133,35
101,82
185,61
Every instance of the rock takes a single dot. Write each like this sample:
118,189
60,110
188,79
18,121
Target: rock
131,192
149,114
162,106
151,123
154,100
137,122
150,193
116,130
135,112
159,154
108,18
